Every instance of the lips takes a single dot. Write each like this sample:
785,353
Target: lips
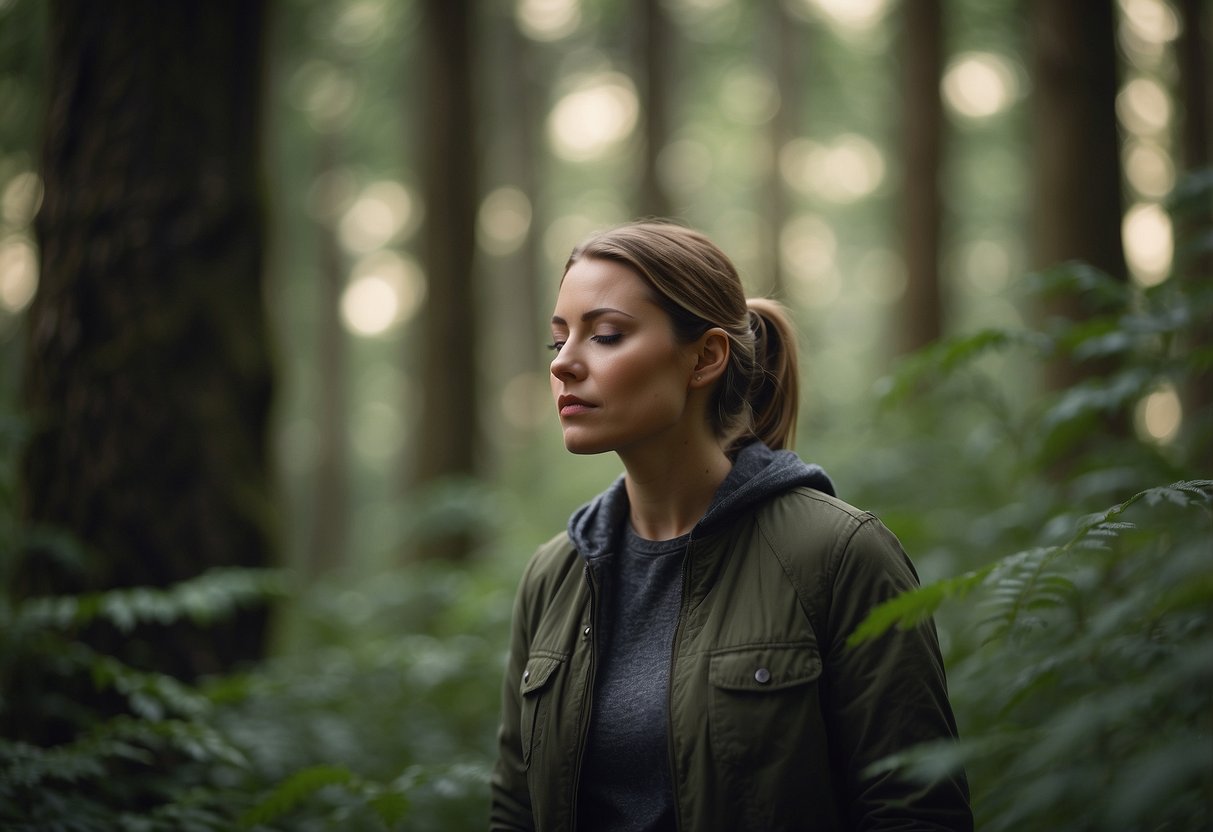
571,405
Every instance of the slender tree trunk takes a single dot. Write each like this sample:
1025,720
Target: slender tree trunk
147,367
526,298
1077,203
922,206
655,60
326,548
449,442
785,41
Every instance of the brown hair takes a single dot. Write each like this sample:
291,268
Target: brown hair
699,288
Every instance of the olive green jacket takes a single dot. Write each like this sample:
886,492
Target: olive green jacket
774,722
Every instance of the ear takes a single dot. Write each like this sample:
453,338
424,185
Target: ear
711,357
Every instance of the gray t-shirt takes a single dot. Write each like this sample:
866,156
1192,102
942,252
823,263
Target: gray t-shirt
625,778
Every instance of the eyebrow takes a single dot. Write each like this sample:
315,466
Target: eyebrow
593,313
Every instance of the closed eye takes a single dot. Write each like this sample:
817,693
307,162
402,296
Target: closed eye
607,339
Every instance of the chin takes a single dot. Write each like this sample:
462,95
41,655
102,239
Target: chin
583,447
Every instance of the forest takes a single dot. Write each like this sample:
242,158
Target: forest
276,433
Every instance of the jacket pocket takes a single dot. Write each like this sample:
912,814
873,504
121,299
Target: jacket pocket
763,701
535,688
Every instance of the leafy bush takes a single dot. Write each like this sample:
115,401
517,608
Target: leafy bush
1072,561
382,727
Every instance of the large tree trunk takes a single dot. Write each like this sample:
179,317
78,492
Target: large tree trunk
1196,154
147,374
922,202
448,441
1077,205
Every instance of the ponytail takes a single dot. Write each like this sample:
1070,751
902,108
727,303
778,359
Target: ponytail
774,398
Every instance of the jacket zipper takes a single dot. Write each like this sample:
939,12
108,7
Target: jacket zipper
587,696
669,687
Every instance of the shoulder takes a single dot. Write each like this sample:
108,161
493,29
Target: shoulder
804,524
803,510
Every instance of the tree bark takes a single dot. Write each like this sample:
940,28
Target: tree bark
784,43
1196,268
449,440
1077,202
330,501
654,59
922,206
147,371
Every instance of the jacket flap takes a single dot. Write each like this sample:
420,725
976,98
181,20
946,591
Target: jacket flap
765,667
537,673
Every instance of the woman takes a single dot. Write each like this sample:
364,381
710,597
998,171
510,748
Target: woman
678,655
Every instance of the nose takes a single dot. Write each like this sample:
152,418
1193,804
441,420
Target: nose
566,366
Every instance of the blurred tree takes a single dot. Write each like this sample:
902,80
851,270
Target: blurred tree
654,60
1193,59
330,497
1077,205
922,202
784,45
449,444
518,277
148,375
1194,260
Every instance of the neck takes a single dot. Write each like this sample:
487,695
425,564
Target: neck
669,492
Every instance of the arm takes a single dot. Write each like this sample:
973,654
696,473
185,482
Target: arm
511,799
885,695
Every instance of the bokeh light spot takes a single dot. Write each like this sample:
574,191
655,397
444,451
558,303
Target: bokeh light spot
1149,169
18,273
547,20
1148,243
324,93
847,170
1144,107
504,220
379,213
978,85
807,246
21,199
848,16
594,117
1151,21
369,305
1159,415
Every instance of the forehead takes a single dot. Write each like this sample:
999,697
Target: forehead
591,282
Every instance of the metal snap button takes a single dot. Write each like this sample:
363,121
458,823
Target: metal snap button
762,675
526,675
585,633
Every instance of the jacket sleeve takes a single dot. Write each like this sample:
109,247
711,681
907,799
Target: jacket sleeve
885,695
511,800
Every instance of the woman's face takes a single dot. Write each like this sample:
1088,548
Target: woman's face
619,378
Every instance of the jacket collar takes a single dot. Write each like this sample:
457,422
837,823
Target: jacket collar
758,474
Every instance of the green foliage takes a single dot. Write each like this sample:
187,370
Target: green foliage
377,726
1076,595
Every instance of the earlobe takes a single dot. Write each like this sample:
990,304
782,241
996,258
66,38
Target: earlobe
712,357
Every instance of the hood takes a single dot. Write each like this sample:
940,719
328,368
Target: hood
758,474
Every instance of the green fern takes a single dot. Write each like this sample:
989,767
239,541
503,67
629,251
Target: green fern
211,596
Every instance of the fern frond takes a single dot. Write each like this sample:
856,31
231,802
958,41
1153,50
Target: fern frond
915,606
215,594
